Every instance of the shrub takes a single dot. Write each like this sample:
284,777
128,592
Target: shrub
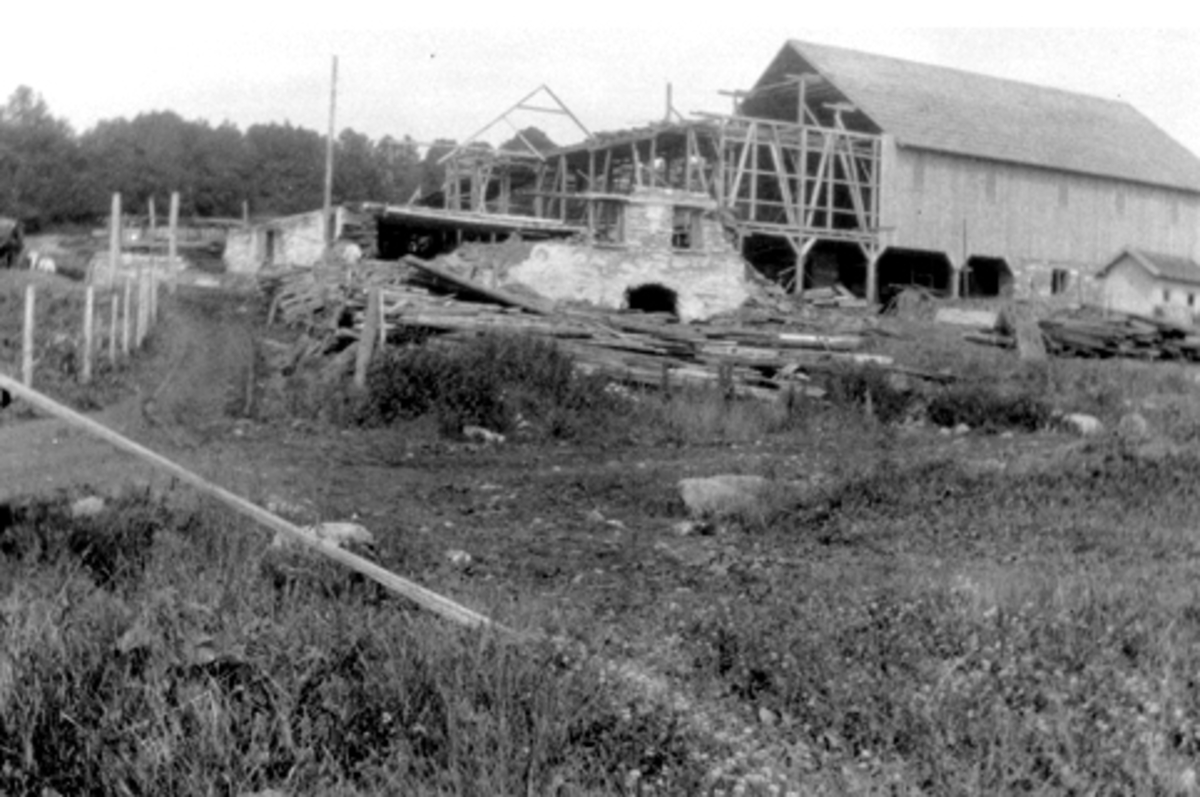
497,381
870,387
988,409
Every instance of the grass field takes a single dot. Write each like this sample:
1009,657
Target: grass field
1010,609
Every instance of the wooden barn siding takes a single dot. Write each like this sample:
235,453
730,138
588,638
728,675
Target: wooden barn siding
1025,220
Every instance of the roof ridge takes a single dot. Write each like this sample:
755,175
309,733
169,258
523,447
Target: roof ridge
966,72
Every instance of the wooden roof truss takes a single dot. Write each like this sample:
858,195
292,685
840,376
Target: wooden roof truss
803,180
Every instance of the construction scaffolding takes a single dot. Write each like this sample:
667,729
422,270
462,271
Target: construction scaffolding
798,181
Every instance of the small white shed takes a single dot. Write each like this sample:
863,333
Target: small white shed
1147,283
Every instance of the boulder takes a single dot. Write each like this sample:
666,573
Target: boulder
1083,424
719,496
1133,427
90,506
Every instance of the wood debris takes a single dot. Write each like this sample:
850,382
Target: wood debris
833,296
763,355
1089,332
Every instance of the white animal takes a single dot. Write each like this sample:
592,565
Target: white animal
40,262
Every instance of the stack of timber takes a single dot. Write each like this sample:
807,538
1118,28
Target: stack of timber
1095,333
833,296
761,359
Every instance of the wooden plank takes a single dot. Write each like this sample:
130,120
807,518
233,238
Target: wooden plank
542,307
420,595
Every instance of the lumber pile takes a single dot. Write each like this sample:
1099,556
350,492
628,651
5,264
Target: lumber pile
1121,335
833,296
1089,332
761,356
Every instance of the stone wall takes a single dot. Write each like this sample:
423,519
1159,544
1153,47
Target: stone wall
708,278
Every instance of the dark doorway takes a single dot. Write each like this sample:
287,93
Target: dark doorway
987,277
652,298
837,263
903,268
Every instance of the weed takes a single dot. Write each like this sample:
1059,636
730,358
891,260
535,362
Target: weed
988,409
500,382
172,677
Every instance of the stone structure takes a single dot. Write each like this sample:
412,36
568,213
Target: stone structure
657,249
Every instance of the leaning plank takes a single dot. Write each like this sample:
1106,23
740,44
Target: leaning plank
402,586
495,294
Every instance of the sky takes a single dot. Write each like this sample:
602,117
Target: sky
451,69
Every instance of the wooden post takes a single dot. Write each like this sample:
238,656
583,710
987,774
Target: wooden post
327,209
173,240
153,218
114,309
89,322
152,305
125,320
143,308
139,325
27,339
114,240
366,339
873,255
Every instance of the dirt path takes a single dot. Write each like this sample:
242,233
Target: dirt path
196,368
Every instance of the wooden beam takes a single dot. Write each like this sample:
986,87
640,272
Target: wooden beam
420,595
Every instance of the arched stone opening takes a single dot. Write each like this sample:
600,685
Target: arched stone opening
987,277
652,298
903,268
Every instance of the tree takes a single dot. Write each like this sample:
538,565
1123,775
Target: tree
39,161
433,174
535,136
287,165
356,171
400,165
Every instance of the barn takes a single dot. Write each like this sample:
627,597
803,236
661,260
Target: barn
988,186
874,173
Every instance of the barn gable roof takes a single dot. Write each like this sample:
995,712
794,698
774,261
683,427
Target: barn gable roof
1171,267
964,113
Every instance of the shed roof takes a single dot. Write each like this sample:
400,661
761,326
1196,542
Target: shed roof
965,113
1179,269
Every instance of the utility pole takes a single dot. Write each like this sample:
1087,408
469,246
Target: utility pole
328,208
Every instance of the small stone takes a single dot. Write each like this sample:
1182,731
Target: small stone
1082,424
481,435
962,429
767,717
722,495
458,558
1134,427
87,507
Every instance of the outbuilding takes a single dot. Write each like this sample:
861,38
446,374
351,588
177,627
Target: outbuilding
1153,284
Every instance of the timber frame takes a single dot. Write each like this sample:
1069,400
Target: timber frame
799,180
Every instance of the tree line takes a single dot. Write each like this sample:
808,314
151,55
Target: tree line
49,174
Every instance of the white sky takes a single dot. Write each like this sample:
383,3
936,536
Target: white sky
450,69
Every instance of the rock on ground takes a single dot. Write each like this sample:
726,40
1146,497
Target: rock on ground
718,496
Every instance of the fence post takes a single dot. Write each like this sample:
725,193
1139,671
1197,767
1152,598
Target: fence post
114,310
89,322
27,339
114,240
125,320
366,339
172,245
